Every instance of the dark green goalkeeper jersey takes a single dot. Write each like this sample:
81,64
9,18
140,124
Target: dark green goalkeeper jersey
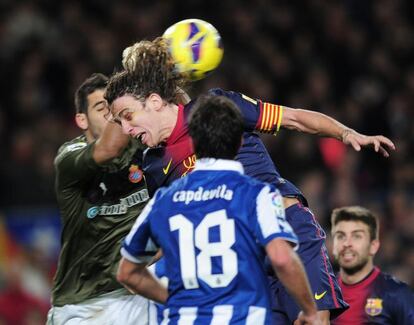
98,206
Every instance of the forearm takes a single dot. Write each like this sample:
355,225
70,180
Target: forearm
137,279
110,144
313,123
294,279
144,284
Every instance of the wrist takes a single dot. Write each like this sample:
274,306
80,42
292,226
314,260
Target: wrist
345,134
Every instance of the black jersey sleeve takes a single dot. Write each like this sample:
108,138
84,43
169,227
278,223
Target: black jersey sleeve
74,164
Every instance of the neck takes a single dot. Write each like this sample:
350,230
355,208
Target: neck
89,136
167,124
358,276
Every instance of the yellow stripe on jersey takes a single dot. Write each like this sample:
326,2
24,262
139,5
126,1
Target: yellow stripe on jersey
271,118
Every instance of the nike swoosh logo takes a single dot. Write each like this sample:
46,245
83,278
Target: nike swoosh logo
166,169
318,297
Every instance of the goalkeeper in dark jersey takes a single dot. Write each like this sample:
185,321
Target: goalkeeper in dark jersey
100,190
142,100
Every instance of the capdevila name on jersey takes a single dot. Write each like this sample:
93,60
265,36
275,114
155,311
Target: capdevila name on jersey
220,192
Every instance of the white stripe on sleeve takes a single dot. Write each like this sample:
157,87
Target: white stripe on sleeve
265,213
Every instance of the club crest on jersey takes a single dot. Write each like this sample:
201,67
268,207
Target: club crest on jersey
135,174
373,306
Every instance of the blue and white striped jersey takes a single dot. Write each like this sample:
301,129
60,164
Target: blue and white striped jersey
212,226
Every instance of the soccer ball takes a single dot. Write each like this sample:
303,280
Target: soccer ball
195,46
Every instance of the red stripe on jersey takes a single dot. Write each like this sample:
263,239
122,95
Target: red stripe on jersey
270,116
259,120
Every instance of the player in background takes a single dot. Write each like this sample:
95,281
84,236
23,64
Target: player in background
100,190
214,223
141,100
374,297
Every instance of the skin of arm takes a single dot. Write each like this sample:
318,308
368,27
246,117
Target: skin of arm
317,123
110,144
137,279
290,271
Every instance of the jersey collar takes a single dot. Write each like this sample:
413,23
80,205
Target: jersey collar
179,129
218,164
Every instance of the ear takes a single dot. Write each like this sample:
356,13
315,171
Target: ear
82,121
374,247
155,101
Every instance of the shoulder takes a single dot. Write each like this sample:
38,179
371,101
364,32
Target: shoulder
69,147
394,287
221,92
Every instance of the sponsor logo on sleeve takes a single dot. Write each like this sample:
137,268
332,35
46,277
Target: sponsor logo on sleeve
120,208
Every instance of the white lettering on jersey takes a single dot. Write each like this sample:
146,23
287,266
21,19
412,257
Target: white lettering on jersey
220,192
120,208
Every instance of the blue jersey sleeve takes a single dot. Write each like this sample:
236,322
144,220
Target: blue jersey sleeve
138,246
403,306
271,221
258,116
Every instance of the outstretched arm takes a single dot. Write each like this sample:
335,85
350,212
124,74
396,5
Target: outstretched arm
321,124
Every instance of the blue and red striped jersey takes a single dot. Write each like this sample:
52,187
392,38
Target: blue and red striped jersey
378,299
175,158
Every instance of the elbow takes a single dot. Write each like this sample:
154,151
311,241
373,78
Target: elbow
281,255
282,262
122,276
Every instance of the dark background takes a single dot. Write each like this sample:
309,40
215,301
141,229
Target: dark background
350,59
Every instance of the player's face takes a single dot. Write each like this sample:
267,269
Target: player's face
138,119
97,110
352,245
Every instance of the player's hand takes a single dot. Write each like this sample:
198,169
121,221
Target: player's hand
357,140
307,319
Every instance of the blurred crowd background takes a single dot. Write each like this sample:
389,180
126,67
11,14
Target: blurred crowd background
350,59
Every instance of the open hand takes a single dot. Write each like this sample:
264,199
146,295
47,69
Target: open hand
357,140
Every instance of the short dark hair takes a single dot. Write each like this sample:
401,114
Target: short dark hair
149,68
94,82
357,213
216,127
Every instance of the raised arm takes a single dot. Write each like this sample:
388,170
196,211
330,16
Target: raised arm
321,124
110,144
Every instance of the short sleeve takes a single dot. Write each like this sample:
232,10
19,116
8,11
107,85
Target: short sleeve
258,115
271,221
75,164
138,246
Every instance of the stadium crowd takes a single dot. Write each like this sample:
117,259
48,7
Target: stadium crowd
349,59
